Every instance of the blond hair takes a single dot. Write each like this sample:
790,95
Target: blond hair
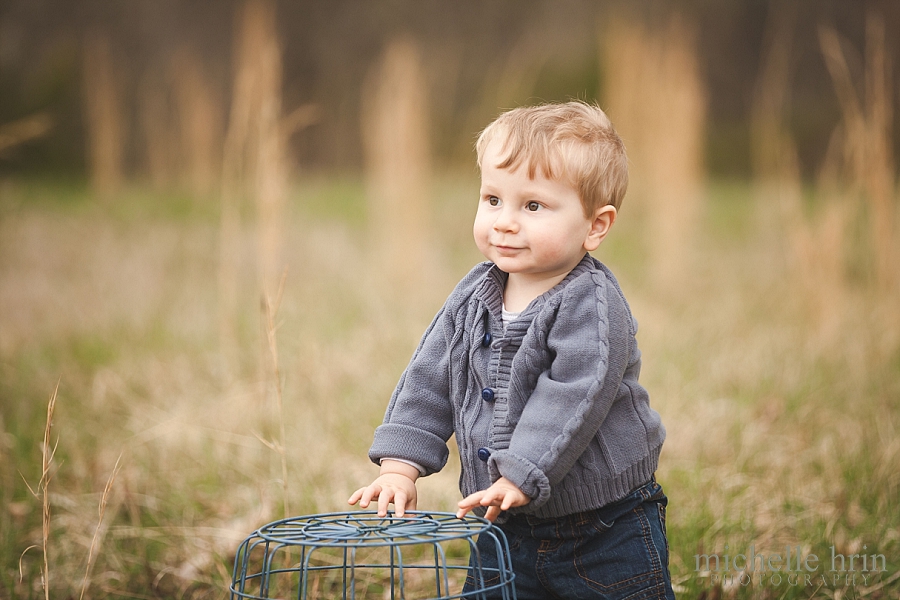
573,141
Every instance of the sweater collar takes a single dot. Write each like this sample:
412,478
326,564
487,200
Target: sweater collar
491,290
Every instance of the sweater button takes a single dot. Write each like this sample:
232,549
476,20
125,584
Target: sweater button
486,340
487,394
484,454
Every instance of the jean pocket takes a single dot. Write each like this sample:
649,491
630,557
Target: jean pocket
622,561
475,584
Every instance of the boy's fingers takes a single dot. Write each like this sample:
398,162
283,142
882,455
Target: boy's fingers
400,500
492,513
509,501
491,498
472,500
356,495
384,499
467,504
368,493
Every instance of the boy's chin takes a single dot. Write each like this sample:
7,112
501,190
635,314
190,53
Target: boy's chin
507,266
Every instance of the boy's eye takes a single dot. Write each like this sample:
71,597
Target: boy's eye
533,206
493,200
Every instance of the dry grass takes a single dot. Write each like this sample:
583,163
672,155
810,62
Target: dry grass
100,531
775,371
129,322
279,446
777,434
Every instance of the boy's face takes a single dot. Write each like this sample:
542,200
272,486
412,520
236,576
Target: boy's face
533,228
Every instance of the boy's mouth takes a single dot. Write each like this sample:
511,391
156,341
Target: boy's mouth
507,249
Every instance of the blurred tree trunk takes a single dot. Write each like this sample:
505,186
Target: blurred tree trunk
657,101
158,135
866,134
814,249
397,155
104,116
199,120
254,169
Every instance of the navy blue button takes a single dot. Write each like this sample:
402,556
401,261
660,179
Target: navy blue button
484,454
487,394
486,340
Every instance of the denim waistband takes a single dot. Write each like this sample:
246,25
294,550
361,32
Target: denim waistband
650,491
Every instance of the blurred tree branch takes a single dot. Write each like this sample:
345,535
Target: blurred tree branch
24,130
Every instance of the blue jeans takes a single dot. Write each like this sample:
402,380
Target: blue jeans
614,552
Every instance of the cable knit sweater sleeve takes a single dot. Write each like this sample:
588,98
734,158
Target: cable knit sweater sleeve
580,363
419,420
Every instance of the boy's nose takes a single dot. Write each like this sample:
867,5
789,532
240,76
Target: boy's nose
506,221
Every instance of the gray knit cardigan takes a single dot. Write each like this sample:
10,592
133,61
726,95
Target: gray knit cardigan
552,403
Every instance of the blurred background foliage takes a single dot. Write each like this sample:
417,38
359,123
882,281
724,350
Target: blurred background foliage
224,226
477,57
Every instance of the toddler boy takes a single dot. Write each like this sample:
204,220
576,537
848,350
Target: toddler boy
532,363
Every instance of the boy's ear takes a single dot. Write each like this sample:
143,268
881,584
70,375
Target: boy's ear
604,217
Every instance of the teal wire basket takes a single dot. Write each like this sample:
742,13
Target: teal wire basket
357,554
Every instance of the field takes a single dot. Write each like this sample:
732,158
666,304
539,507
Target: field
188,413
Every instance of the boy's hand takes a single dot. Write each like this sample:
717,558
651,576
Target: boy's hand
502,495
397,484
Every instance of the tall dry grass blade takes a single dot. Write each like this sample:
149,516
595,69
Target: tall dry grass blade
104,116
657,99
271,330
397,155
43,488
22,557
99,531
